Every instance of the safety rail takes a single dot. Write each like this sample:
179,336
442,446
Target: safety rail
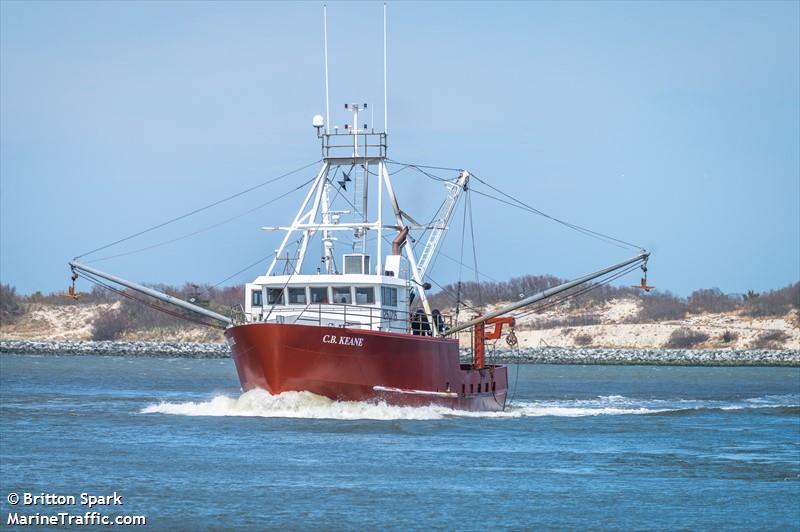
358,316
340,144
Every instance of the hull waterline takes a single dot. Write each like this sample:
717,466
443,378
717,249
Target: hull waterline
362,365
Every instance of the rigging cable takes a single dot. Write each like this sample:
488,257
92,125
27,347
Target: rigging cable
474,249
584,230
572,295
200,209
207,228
522,205
461,261
253,265
412,165
159,308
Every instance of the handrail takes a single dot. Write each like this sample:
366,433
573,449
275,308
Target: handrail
358,315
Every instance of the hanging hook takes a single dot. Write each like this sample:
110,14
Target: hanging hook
644,286
71,293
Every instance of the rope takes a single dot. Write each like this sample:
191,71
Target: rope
580,292
515,202
583,230
253,265
208,228
474,248
159,308
461,260
412,165
516,380
200,209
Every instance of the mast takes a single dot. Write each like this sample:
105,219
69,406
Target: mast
327,96
385,86
327,239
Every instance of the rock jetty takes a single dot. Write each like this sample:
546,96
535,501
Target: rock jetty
544,355
109,348
652,357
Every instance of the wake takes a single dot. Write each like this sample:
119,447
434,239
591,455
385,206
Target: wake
306,405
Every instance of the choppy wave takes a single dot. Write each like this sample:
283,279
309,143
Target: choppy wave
306,405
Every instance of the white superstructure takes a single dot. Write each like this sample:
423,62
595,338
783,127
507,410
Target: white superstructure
366,277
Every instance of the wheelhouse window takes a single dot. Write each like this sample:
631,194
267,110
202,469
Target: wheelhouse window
341,295
256,298
319,294
275,296
389,296
297,296
356,263
365,295
353,264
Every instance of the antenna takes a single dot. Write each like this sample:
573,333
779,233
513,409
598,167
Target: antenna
327,97
385,98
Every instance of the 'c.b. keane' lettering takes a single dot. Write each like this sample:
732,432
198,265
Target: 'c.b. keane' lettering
343,340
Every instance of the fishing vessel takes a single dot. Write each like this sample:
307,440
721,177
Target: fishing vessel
343,308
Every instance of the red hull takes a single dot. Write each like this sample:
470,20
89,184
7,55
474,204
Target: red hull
359,365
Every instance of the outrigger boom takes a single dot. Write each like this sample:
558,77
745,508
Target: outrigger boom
77,266
550,292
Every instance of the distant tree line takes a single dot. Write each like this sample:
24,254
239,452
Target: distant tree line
12,306
654,306
131,316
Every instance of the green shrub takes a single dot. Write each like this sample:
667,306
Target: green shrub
11,305
110,325
685,337
583,339
770,340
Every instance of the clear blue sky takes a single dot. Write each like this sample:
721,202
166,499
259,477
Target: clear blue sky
674,125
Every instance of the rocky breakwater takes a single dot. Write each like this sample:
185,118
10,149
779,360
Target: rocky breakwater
658,357
544,355
139,349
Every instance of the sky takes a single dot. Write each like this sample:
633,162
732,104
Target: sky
674,126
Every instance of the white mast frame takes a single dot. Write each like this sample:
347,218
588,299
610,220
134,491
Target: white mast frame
302,217
408,248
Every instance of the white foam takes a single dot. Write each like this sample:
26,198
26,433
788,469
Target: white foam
306,405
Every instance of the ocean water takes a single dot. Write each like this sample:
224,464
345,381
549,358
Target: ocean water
600,447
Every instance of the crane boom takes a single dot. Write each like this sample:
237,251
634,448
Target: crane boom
440,225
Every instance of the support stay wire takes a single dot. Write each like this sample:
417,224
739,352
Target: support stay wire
124,293
198,210
207,228
515,202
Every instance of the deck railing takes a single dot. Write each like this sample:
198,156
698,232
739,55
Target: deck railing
360,316
340,143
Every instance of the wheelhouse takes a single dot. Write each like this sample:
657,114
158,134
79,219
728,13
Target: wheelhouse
353,300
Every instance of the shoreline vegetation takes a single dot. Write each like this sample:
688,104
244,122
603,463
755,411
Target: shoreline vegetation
605,318
543,355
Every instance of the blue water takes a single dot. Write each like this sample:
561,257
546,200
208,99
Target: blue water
601,447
